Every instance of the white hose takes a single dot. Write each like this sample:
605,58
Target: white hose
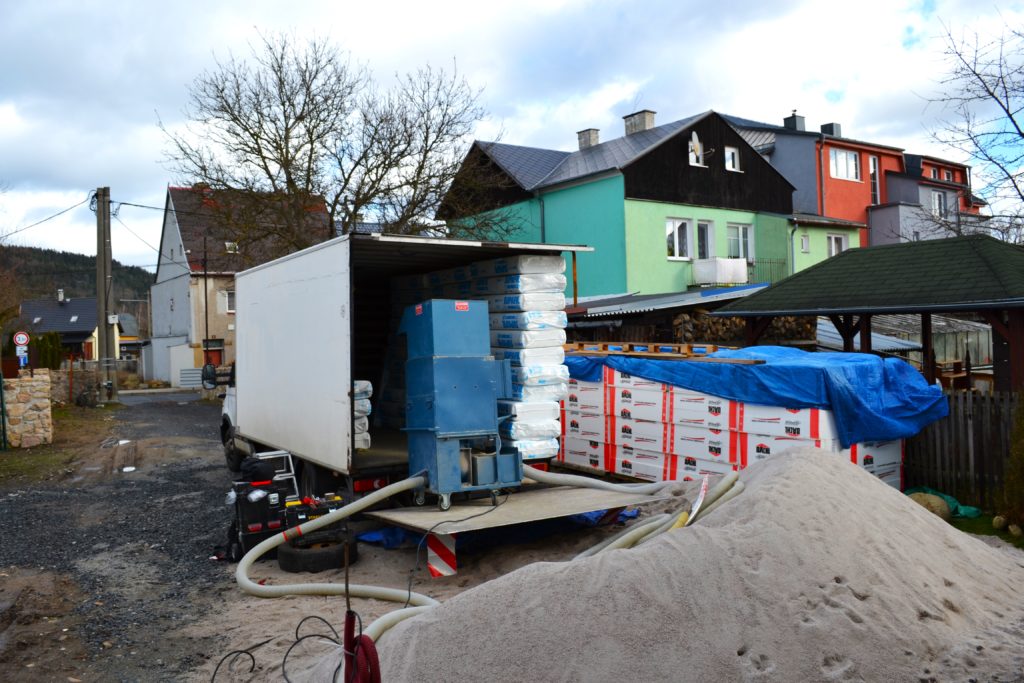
386,621
726,497
714,494
638,534
576,480
593,550
355,590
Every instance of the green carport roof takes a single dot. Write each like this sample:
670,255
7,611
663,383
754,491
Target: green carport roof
955,274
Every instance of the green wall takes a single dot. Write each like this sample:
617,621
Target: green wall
818,251
591,214
651,271
525,216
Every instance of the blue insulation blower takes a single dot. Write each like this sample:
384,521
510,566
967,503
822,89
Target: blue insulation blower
452,387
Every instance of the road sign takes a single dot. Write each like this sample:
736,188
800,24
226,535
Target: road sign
21,350
21,338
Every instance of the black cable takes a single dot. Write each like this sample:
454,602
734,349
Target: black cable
236,653
59,213
318,618
284,662
429,531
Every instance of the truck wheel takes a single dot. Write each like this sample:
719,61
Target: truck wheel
316,555
232,455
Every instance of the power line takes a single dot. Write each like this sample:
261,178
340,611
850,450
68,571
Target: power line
48,218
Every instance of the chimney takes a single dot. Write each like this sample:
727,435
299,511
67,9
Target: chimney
588,137
833,129
793,121
60,295
637,122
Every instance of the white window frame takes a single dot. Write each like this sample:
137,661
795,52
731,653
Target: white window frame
673,228
709,239
732,159
844,164
935,173
231,247
947,175
229,298
832,239
940,205
696,158
875,179
805,244
744,240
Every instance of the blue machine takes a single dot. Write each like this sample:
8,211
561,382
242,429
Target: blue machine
452,386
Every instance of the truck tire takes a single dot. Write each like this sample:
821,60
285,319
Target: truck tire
316,554
232,456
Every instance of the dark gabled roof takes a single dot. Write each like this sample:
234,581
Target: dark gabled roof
68,316
534,168
128,324
202,218
956,274
827,221
761,135
527,165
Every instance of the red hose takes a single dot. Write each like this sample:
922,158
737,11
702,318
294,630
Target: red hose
361,662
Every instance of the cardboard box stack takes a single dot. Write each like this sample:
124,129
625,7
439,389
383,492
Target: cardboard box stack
526,301
657,432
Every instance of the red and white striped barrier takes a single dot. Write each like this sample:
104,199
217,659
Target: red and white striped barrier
441,555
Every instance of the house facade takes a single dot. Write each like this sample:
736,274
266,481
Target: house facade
667,207
889,196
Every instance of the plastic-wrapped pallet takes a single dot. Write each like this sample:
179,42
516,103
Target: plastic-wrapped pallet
530,301
529,320
520,284
546,355
525,263
536,449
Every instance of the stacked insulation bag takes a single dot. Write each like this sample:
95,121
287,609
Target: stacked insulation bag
362,391
526,301
649,430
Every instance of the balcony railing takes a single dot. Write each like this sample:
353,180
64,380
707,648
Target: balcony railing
759,270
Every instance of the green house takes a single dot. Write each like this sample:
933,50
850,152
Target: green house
666,208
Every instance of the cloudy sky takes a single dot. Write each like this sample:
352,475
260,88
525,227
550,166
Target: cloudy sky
85,82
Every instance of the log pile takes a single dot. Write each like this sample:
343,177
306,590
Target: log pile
697,326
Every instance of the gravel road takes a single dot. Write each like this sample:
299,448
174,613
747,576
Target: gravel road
131,551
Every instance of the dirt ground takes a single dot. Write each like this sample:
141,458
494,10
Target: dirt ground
106,573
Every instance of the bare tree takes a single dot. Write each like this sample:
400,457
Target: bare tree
983,98
300,126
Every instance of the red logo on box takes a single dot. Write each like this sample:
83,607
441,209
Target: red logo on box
419,309
461,305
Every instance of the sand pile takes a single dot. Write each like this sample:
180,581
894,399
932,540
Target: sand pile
818,571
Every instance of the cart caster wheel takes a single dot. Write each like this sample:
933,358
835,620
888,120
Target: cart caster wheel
494,498
444,502
420,497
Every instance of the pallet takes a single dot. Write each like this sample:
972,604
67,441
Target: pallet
648,349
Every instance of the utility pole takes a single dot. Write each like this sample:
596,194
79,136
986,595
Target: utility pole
105,353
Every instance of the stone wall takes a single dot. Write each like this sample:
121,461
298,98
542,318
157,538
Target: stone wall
27,400
79,380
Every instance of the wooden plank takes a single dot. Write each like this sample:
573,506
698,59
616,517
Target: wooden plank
532,504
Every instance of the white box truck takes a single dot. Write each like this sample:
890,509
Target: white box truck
309,323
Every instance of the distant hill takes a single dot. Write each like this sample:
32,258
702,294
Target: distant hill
41,272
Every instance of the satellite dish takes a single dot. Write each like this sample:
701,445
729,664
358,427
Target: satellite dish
695,144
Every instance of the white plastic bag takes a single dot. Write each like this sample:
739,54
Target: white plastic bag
523,339
543,429
524,263
534,411
529,320
537,375
545,355
529,301
546,392
534,449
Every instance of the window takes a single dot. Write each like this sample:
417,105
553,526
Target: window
231,300
676,230
948,175
836,244
805,243
231,247
36,320
873,167
696,151
844,164
917,236
732,158
703,239
738,238
935,173
939,203
74,318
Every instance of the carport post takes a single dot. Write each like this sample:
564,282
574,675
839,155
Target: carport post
928,364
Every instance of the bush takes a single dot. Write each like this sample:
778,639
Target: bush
1013,486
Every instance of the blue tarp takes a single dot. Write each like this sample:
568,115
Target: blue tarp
871,398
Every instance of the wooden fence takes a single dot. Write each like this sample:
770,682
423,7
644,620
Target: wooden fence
965,453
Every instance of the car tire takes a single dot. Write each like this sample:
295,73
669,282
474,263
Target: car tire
316,553
232,456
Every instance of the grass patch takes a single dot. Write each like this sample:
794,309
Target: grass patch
76,432
982,526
